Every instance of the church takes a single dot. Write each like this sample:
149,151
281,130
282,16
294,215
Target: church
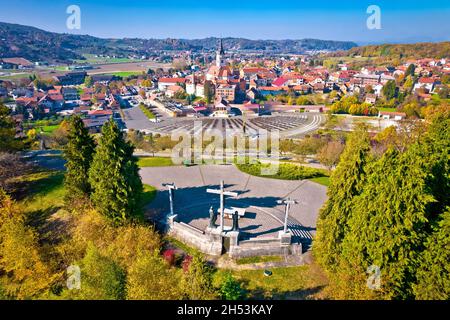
220,70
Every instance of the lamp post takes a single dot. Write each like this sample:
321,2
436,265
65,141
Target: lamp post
170,187
287,202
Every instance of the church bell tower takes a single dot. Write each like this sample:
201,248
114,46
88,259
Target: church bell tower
219,55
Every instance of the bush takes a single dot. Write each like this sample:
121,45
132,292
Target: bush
286,171
231,289
169,256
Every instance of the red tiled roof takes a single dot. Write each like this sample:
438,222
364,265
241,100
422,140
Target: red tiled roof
18,61
100,112
85,97
56,97
427,80
172,80
279,82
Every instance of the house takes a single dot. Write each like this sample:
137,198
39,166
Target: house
71,78
52,103
103,79
428,84
172,90
227,92
129,91
86,99
264,91
221,108
164,83
70,93
15,63
397,116
280,82
367,79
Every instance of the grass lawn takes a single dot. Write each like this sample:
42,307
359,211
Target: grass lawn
16,76
148,195
48,129
250,260
125,74
147,112
303,282
43,191
325,181
154,162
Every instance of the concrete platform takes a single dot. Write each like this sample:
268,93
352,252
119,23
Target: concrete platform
264,217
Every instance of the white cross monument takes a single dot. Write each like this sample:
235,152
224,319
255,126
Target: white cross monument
222,194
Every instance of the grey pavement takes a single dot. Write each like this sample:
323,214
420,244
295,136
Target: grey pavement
136,119
264,217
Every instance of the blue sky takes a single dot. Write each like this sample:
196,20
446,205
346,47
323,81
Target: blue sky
401,20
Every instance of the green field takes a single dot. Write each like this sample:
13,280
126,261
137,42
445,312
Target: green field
16,76
154,162
125,74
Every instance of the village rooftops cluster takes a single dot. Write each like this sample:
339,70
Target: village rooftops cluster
230,80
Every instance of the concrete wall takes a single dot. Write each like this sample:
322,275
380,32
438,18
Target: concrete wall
207,243
210,242
264,247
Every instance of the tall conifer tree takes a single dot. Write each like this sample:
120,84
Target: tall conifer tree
346,183
433,274
114,176
78,154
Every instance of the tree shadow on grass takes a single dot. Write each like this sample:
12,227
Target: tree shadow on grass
276,294
38,183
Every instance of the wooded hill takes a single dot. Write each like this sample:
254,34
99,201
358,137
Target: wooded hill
39,45
400,51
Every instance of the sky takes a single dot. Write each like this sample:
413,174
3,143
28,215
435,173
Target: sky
401,20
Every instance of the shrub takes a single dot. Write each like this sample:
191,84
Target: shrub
286,171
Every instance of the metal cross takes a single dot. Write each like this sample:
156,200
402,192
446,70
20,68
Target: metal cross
170,187
288,203
222,194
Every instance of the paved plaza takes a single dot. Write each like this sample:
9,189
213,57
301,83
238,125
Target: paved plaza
259,196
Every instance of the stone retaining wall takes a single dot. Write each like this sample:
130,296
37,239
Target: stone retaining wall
211,242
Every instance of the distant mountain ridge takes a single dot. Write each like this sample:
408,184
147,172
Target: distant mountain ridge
38,45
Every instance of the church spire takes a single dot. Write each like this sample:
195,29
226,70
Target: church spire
222,52
219,54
